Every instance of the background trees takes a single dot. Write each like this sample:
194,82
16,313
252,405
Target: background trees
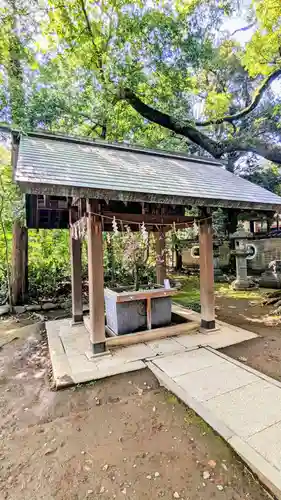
178,75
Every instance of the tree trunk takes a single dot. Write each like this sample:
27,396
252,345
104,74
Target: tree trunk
19,264
178,260
19,285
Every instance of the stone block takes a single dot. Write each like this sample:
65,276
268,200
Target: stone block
33,307
19,309
129,317
4,309
48,306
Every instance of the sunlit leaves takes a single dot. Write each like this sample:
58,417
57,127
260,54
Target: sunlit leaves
217,104
263,53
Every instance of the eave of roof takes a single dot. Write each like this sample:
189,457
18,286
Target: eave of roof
60,170
126,196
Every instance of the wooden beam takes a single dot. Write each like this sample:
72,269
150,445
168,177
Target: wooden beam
96,282
76,280
148,218
161,257
142,294
155,334
207,294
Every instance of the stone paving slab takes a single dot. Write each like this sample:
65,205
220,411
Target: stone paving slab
249,409
186,362
165,346
268,444
242,405
215,380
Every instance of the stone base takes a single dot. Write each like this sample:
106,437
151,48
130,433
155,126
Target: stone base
208,325
219,277
269,279
245,284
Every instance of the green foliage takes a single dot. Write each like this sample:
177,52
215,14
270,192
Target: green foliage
48,260
63,64
262,53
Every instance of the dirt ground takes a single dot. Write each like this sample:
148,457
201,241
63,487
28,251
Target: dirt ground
263,353
123,437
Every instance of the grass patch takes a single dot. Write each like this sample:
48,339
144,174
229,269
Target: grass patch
225,290
171,398
189,295
191,418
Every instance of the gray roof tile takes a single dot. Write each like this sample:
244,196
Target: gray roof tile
54,162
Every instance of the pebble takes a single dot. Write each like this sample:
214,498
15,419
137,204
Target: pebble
212,463
176,495
148,477
49,451
105,467
102,489
243,359
154,408
206,474
124,491
90,492
219,487
134,466
156,474
224,466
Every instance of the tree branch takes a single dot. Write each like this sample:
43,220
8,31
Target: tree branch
237,116
217,149
245,28
271,151
90,31
153,115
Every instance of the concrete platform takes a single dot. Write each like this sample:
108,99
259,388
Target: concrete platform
73,362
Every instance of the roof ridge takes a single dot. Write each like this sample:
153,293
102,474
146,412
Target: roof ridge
116,145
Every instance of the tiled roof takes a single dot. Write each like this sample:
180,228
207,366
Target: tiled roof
56,165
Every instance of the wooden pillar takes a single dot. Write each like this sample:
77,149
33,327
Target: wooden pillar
161,258
96,285
207,295
76,280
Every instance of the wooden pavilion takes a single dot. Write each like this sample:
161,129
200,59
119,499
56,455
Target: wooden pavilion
71,182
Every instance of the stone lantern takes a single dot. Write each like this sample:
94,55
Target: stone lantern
243,251
218,274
